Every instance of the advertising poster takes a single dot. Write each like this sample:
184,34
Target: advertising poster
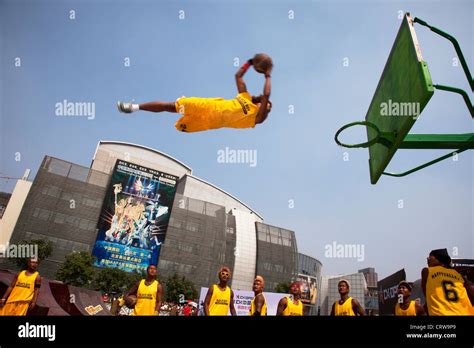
134,217
308,289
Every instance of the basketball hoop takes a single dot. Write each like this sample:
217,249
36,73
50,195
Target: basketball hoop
359,123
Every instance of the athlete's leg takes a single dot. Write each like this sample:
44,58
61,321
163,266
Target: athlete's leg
157,106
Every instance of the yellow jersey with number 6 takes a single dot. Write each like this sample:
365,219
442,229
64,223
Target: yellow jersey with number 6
201,114
445,292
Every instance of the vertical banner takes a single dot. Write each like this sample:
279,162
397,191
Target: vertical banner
308,289
388,288
134,217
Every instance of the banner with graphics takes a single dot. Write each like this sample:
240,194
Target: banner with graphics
242,300
308,289
134,217
388,288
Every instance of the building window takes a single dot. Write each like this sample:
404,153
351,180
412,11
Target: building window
42,214
79,173
58,167
192,226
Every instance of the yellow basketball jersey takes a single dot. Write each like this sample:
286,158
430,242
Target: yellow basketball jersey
201,114
445,292
411,310
345,309
146,298
293,309
24,288
220,301
264,307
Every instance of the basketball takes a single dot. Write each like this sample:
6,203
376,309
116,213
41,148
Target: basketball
262,63
131,301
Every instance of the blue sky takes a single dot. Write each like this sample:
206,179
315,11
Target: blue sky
82,60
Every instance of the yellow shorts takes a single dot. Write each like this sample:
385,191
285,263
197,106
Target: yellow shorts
199,114
195,113
15,309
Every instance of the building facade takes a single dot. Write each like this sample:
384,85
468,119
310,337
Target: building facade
358,290
208,227
372,297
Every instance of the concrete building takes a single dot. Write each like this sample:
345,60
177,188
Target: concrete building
330,293
372,297
208,226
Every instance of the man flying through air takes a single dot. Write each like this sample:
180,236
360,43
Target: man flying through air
199,114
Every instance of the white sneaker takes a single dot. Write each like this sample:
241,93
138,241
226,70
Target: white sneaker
125,108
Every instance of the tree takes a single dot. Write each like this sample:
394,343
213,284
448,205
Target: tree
77,270
110,280
114,280
283,288
177,286
45,249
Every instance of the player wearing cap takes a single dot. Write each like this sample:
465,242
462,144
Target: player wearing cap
346,306
407,307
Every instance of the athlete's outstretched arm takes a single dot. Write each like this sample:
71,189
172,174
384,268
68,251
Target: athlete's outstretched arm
241,87
9,290
207,300
282,306
265,99
232,308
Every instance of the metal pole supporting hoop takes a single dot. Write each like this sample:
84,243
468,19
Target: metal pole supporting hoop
359,123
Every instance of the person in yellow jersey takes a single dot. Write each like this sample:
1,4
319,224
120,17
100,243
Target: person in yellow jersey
445,290
220,297
405,306
148,294
346,306
291,305
22,293
258,306
200,114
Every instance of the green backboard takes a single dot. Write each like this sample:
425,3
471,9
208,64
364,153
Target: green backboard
403,91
